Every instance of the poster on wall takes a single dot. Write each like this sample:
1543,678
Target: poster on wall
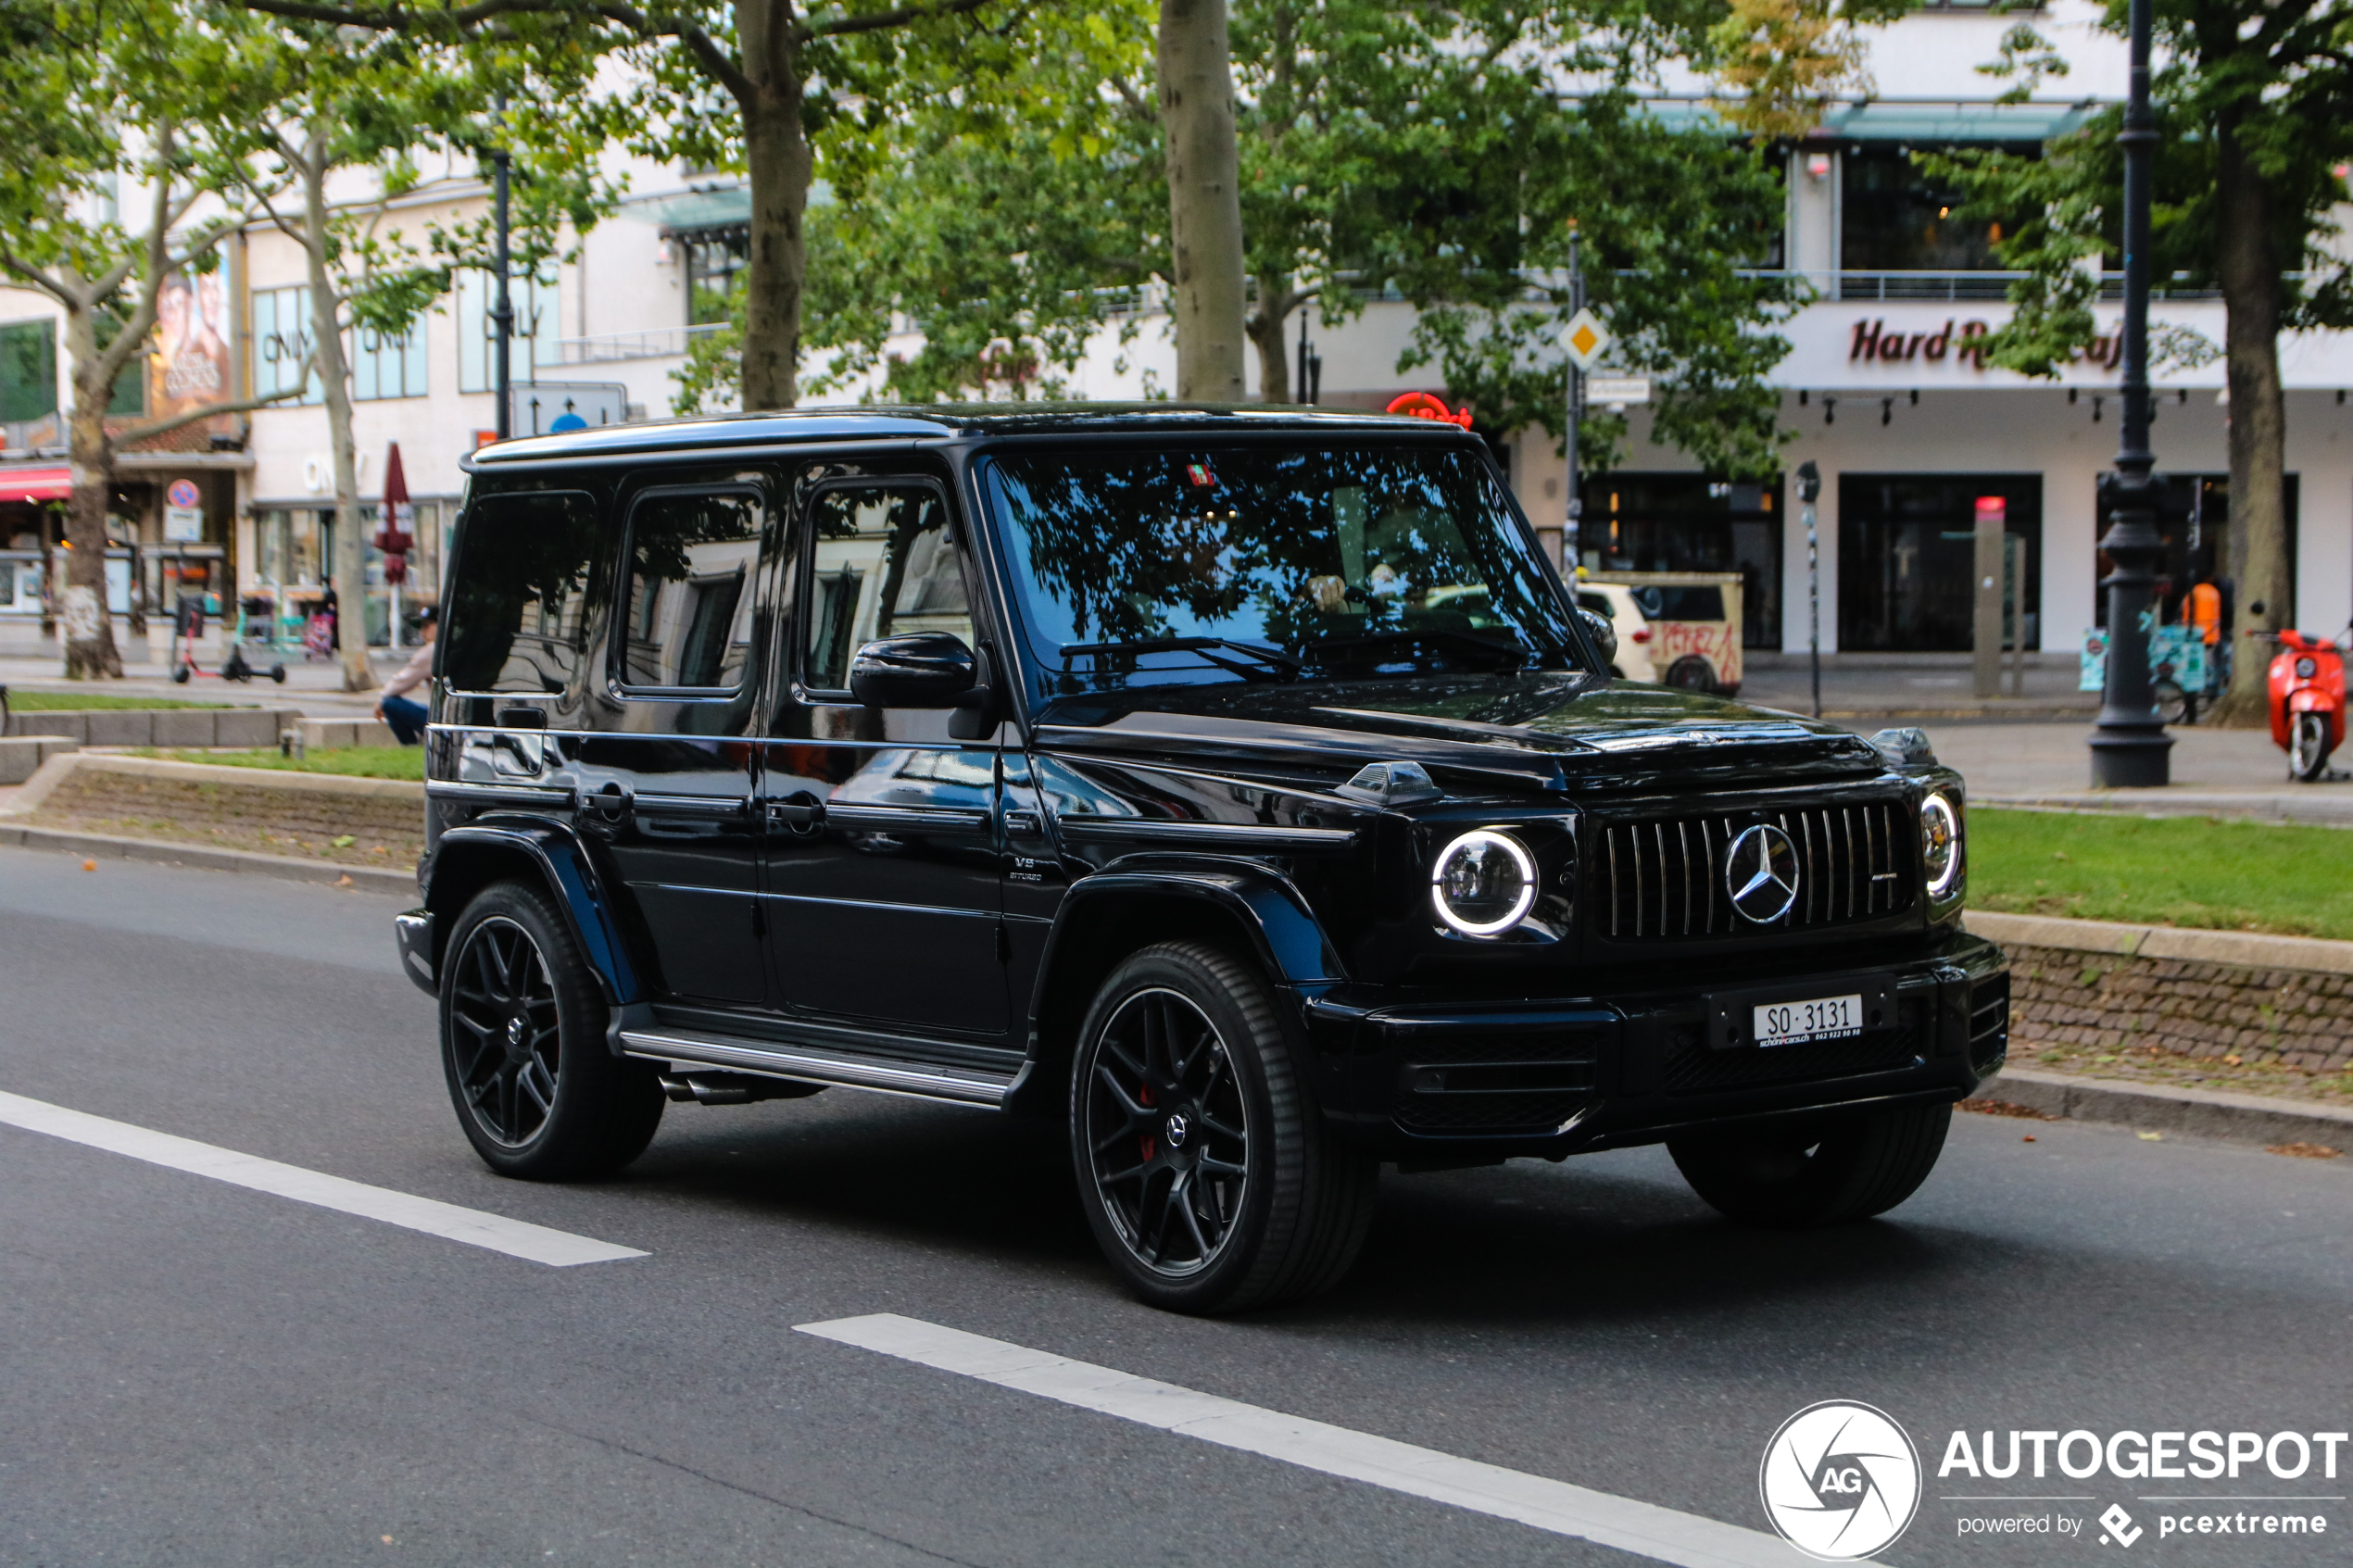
190,366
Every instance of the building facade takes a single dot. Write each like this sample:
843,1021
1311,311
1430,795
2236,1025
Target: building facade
1915,433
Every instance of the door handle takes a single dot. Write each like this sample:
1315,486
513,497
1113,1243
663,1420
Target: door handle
1022,824
803,813
613,802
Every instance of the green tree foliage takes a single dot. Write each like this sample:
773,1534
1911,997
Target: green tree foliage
2255,115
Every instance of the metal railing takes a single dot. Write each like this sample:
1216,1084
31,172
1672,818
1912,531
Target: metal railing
659,343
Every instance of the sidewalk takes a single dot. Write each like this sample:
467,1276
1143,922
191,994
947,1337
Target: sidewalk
2218,773
1893,686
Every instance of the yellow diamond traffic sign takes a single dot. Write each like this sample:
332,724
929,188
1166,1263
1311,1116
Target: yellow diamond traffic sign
1585,339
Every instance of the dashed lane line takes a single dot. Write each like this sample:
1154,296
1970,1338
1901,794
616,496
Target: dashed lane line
494,1233
1644,1529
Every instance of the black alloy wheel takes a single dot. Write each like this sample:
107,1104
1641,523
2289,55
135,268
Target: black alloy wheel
506,1041
523,1023
1168,1132
1206,1171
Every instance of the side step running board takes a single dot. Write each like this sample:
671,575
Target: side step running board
811,1065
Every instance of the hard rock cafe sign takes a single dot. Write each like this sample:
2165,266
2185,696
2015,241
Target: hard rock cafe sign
1963,342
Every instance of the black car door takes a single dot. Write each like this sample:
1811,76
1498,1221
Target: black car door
882,896
666,775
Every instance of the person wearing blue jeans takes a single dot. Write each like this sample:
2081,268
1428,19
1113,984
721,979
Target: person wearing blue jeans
406,715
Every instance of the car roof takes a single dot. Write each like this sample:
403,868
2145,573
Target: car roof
943,421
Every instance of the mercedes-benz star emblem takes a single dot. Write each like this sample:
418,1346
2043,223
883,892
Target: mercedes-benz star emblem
1178,1128
514,1031
1760,873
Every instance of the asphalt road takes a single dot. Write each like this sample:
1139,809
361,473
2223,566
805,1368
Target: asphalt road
192,1374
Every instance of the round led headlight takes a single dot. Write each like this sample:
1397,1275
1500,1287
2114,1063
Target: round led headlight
1940,845
2307,666
1484,884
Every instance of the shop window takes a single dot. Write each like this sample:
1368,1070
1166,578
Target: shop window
536,340
1690,523
27,370
1892,218
1908,555
282,344
2194,518
387,365
715,261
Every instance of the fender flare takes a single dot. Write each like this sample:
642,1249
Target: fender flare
1286,936
2310,701
571,877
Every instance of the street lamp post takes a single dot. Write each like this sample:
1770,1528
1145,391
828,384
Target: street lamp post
1809,491
1573,519
502,310
2129,750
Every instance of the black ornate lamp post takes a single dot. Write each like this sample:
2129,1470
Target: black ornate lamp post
2130,749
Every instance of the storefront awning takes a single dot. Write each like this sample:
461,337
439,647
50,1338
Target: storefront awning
35,485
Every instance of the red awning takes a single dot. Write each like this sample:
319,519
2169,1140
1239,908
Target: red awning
35,485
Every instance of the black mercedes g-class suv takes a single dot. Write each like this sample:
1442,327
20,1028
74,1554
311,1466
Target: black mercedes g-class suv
1241,786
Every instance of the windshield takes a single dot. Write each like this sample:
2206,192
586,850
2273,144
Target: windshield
1271,563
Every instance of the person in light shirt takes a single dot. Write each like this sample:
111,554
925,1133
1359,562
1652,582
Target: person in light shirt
406,715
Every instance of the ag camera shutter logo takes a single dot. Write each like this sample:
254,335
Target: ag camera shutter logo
1840,1480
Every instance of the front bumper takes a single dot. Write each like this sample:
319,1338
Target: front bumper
1417,1076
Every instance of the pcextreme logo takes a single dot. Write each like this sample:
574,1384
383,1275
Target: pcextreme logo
1840,1480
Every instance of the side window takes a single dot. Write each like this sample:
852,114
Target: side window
883,561
518,613
687,607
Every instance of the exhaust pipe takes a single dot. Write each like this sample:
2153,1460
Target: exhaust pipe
732,1088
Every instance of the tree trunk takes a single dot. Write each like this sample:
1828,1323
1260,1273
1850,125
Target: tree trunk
777,154
86,629
2249,275
1204,199
326,331
1275,301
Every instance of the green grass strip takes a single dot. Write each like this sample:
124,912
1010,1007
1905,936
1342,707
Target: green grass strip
355,763
22,701
2197,871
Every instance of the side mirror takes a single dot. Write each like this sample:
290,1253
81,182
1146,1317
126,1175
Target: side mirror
919,670
1599,628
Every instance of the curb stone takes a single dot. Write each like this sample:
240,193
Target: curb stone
2246,949
2206,1114
104,846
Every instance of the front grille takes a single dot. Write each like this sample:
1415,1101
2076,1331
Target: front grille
1496,1084
1989,1024
1664,879
1694,1069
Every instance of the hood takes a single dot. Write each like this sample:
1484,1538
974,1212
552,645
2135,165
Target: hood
1543,730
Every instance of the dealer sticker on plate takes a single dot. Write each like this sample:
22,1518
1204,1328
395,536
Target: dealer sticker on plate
1798,1023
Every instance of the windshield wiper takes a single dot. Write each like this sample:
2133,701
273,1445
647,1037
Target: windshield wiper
1506,656
1274,664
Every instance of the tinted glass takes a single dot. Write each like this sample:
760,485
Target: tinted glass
517,614
1348,562
884,562
687,604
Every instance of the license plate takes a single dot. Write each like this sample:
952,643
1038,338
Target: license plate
1798,1023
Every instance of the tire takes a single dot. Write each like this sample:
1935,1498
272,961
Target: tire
522,1045
1824,1175
1206,1174
278,673
2307,748
2173,703
1692,673
180,677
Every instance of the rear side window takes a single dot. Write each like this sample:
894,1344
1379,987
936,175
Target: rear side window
686,622
1693,602
517,618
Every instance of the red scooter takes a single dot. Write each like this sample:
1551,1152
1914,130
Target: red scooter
2308,702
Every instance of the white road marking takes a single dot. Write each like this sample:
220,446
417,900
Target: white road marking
536,1244
1642,1528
